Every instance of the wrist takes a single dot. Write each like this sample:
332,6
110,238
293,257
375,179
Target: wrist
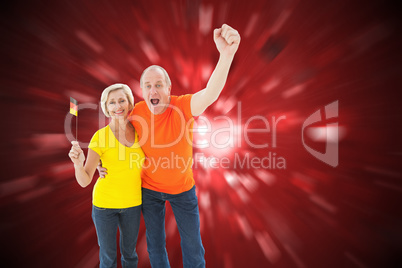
78,166
225,56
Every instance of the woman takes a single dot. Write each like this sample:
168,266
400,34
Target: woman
116,197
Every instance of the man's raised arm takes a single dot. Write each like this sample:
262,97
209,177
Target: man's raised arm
227,42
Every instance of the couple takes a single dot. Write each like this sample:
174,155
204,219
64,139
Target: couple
152,131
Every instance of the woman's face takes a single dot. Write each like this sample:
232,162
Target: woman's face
117,104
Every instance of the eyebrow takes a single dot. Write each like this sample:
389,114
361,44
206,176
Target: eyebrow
159,81
117,98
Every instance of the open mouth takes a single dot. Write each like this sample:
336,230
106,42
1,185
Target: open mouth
118,112
154,101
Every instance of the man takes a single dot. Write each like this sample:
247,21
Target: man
163,123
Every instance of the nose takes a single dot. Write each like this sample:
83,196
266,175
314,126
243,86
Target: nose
152,91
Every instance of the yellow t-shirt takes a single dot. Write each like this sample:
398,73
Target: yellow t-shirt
121,187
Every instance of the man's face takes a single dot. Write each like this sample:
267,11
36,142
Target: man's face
155,91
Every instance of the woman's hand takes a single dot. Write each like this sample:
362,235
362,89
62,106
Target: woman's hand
76,154
101,170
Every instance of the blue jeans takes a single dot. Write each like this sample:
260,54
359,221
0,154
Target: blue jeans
106,221
185,210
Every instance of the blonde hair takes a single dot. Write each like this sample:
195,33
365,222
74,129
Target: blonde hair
167,78
105,95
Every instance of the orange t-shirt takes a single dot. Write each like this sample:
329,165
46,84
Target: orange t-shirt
166,140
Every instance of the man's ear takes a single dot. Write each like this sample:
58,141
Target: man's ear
170,88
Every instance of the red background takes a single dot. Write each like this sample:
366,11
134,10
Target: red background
295,57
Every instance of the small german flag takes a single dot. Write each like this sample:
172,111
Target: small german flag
73,107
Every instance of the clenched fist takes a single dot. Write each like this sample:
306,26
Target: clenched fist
76,154
227,40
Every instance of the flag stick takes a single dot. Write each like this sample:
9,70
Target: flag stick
76,128
74,111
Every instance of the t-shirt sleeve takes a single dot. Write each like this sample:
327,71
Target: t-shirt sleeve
94,144
184,103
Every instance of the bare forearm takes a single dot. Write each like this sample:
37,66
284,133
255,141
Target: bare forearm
82,176
227,42
218,78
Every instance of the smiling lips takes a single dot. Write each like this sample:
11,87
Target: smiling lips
119,112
